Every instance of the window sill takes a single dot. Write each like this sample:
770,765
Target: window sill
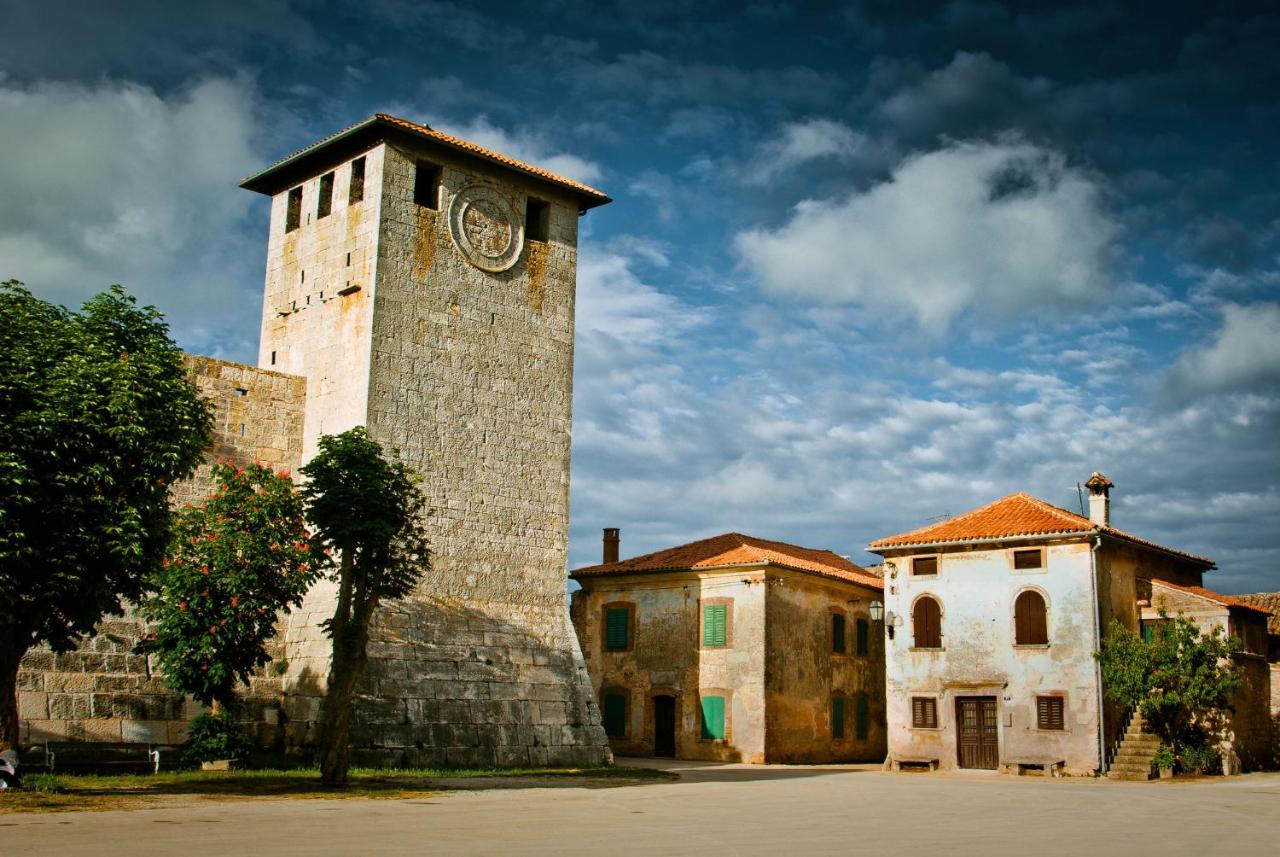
926,649
925,728
1031,645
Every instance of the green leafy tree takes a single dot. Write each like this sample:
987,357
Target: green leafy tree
97,420
234,563
1180,680
368,512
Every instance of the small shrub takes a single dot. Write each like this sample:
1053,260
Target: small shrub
1200,758
1164,757
213,737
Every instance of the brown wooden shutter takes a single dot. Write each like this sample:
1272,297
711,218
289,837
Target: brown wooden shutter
1049,714
928,624
1030,622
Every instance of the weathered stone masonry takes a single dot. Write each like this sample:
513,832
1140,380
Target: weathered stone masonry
104,692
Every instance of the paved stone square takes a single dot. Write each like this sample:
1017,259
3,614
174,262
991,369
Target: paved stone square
720,809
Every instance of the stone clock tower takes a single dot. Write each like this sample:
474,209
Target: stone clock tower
424,287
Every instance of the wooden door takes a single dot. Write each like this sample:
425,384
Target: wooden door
977,730
664,726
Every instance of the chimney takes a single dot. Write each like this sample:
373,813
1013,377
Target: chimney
611,539
1099,499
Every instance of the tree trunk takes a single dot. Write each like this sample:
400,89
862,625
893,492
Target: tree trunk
334,736
10,657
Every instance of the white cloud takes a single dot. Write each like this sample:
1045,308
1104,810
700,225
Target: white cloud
526,145
801,142
1245,350
115,183
1001,226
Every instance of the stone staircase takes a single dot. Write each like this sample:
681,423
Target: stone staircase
1134,753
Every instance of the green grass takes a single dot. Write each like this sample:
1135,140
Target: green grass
62,792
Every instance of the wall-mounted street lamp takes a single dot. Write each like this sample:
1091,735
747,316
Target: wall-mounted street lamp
877,611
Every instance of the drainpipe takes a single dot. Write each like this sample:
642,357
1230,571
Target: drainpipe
1097,640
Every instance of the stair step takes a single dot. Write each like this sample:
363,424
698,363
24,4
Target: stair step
1128,777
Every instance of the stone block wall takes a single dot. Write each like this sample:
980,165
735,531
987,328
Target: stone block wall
102,691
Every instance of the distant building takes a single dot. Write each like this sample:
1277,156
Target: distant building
1270,601
735,648
995,616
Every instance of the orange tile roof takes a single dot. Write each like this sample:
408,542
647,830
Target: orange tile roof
592,197
1013,516
733,549
1218,597
1269,601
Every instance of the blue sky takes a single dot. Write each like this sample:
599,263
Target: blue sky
868,263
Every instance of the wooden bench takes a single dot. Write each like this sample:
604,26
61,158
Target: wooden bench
899,761
102,757
1019,765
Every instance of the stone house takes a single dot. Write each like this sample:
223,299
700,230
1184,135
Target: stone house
422,286
993,619
1270,601
1249,721
735,648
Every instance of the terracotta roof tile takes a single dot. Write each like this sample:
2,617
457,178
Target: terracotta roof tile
1012,516
1269,601
594,196
1224,600
736,549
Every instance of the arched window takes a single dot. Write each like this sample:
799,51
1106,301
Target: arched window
1030,625
927,622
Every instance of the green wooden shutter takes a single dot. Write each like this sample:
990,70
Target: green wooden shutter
714,618
863,637
615,715
616,630
862,717
837,717
713,717
1148,632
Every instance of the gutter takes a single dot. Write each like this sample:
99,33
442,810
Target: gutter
1097,642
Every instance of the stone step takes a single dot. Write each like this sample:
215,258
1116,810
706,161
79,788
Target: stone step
1141,739
1144,758
1128,777
1136,764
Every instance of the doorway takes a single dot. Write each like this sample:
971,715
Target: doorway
978,737
664,726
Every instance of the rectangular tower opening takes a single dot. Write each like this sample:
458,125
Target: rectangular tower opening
537,220
325,205
357,182
426,185
293,210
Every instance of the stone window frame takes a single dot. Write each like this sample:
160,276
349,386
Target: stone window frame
833,611
911,565
937,720
1043,568
728,627
1013,619
604,626
942,615
625,693
727,695
1035,712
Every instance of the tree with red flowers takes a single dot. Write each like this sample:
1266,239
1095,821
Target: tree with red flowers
233,565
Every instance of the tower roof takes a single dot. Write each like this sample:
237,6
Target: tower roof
350,141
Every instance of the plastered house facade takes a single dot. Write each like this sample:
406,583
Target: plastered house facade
993,619
735,648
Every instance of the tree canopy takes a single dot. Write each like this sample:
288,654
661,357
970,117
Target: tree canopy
97,420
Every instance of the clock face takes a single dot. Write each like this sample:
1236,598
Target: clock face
484,227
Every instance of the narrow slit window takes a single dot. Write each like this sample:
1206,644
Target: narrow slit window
861,717
356,192
537,220
837,633
325,204
293,210
426,185
864,638
837,717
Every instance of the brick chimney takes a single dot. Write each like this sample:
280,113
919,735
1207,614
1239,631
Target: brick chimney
612,536
1099,499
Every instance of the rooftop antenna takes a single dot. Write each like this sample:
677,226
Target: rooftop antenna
1080,499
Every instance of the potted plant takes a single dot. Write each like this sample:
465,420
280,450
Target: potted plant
1163,761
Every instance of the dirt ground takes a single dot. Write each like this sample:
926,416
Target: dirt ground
711,808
